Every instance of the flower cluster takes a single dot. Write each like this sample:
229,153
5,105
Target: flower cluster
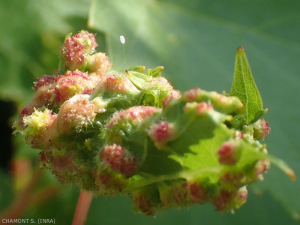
131,132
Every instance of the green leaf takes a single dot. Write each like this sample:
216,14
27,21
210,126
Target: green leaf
244,87
195,41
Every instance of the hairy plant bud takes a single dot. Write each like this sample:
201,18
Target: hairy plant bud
183,194
198,194
43,81
223,199
202,108
119,159
77,54
161,133
36,126
260,167
99,63
124,122
145,200
226,104
228,153
261,129
78,112
235,179
76,49
226,199
116,84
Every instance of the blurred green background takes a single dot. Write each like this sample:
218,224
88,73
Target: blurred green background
195,40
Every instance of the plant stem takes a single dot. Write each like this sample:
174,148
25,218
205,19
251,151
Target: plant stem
82,208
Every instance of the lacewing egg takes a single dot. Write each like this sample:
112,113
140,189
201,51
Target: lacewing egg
122,39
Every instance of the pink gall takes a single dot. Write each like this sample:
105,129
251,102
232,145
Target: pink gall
183,194
239,198
108,182
43,81
116,84
192,94
166,101
127,120
142,202
166,196
37,126
223,199
227,104
174,95
228,153
261,129
163,85
161,81
180,193
235,179
99,63
226,199
242,195
76,49
222,103
197,193
162,133
119,159
72,83
202,108
260,167
78,112
134,114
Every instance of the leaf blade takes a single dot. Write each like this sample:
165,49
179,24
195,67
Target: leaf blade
244,87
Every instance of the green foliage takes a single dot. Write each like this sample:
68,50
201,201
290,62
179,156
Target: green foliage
244,87
194,40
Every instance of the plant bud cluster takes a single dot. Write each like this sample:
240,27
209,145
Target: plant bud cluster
132,133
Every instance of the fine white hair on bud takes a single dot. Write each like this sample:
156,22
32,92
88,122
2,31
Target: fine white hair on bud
122,39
